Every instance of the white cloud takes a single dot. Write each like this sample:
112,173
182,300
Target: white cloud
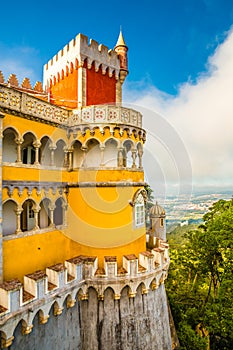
202,115
20,60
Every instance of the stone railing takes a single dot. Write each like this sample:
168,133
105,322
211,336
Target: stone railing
106,114
28,105
67,278
62,285
23,103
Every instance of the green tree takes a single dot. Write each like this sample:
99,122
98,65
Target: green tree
149,203
200,281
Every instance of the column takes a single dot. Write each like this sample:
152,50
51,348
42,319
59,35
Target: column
134,154
140,153
51,214
19,142
102,148
120,160
66,159
70,159
18,212
36,212
36,145
64,208
52,149
84,149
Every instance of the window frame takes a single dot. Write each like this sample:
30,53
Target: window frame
139,211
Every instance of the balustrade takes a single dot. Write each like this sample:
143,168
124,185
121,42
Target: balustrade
99,114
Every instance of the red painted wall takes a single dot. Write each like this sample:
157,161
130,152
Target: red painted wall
101,88
65,91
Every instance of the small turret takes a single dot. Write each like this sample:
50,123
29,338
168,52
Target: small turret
157,222
121,49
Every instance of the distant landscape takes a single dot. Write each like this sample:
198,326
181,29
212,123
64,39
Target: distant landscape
182,211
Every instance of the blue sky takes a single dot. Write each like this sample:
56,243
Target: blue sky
181,68
169,41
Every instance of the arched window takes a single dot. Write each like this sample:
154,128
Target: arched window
77,154
9,146
110,153
93,157
9,218
139,211
28,150
27,216
58,212
59,154
45,152
127,147
44,217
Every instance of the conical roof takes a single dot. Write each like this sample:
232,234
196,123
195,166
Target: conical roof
120,41
157,210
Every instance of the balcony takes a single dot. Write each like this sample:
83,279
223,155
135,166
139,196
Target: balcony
20,103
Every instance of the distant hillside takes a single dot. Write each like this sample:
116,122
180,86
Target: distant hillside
175,233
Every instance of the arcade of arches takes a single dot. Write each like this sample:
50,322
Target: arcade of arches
30,150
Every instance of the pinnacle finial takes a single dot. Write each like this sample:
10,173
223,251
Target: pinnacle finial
120,41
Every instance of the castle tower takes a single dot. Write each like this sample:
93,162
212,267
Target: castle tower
83,74
76,268
157,224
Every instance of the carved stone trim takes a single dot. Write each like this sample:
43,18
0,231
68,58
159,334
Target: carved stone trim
23,105
106,184
30,185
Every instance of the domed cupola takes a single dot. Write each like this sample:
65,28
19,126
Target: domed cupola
157,222
157,211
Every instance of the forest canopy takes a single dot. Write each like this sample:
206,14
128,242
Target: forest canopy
200,281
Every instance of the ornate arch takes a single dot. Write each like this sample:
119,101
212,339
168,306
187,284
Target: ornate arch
141,191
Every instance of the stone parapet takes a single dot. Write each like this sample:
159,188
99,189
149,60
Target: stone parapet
106,114
41,288
22,104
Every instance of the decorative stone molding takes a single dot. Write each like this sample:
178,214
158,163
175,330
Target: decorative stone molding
106,184
43,319
83,119
30,185
31,107
6,342
106,114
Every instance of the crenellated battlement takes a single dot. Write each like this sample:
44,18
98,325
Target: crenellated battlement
63,285
25,86
74,54
77,275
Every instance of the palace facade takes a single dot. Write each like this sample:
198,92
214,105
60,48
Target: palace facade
73,243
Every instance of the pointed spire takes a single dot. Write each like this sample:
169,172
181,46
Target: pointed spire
120,41
121,50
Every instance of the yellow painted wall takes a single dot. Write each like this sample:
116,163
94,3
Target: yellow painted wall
36,174
102,217
27,254
36,252
22,125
